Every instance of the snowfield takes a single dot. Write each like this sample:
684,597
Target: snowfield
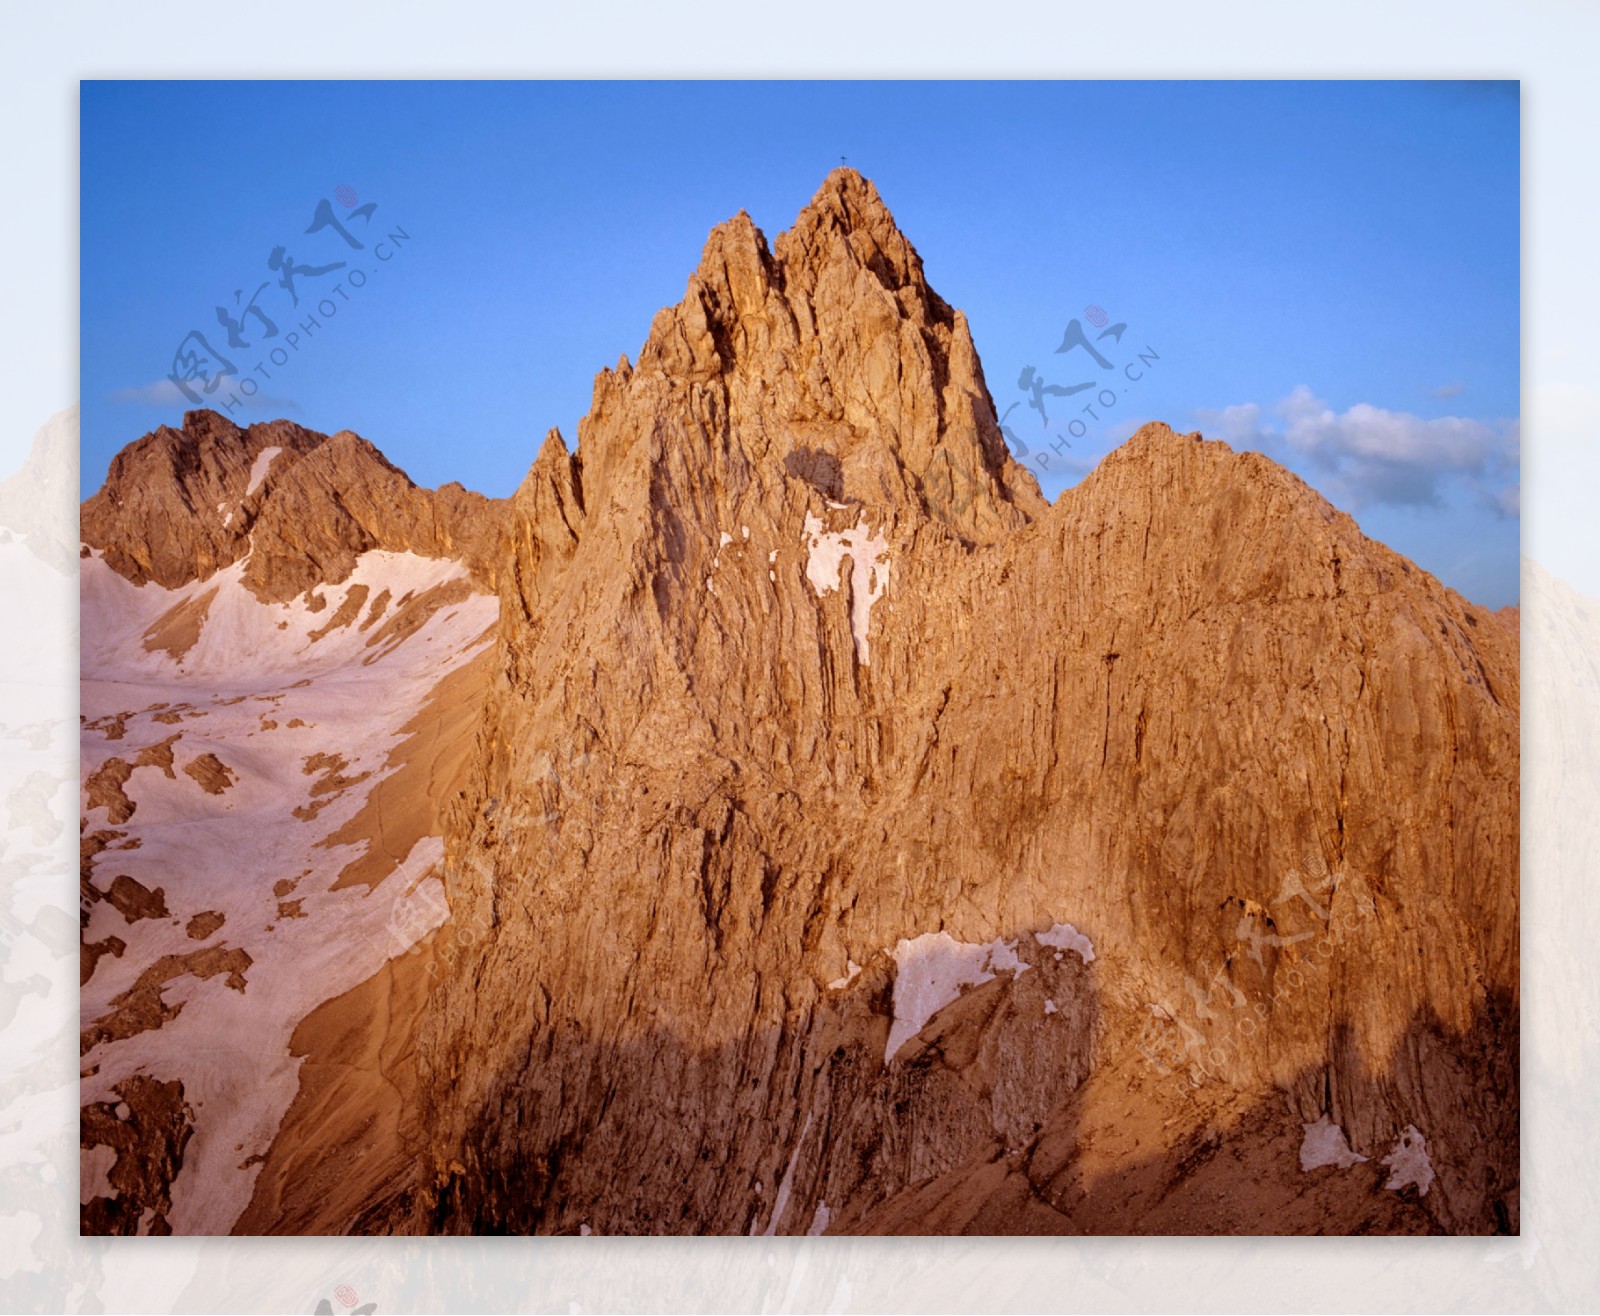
300,721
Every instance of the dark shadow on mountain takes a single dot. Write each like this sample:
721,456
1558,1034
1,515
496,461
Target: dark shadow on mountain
821,470
1228,1162
1001,1117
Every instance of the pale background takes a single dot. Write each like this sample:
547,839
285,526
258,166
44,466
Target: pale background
1550,46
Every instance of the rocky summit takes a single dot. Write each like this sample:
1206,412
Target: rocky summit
782,820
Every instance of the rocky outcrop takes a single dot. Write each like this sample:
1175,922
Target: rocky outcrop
133,1148
179,505
840,853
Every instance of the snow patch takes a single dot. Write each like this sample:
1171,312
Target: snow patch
851,969
932,970
786,1183
242,640
1049,1006
826,552
228,853
1063,936
724,539
1408,1163
1325,1144
819,1221
259,469
94,1171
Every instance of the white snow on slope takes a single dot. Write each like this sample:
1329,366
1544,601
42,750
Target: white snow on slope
1063,936
260,467
1324,1144
244,639
1408,1163
786,1184
932,970
827,551
226,852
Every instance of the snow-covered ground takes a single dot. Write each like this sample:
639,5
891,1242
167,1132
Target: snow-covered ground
869,571
1325,1144
931,972
1409,1162
303,720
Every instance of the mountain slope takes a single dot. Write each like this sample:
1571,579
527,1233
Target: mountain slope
296,508
838,847
277,686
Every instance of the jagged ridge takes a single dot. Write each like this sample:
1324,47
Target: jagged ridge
179,505
700,796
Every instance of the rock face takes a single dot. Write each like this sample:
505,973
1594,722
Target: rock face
181,504
854,842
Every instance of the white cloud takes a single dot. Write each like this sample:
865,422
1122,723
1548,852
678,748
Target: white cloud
161,393
1367,454
164,393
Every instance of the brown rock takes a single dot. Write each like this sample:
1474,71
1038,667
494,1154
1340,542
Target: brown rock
213,775
135,901
149,1143
177,506
330,783
141,1008
156,516
89,954
1189,709
103,789
203,924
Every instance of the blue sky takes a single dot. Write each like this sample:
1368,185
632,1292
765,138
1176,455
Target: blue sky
1327,271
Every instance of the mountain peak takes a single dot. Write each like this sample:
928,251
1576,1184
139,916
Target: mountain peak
827,350
850,198
181,504
792,690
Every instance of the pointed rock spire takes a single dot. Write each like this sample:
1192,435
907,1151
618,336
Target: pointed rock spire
828,343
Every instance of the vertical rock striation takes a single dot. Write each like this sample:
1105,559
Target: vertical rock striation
1213,798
